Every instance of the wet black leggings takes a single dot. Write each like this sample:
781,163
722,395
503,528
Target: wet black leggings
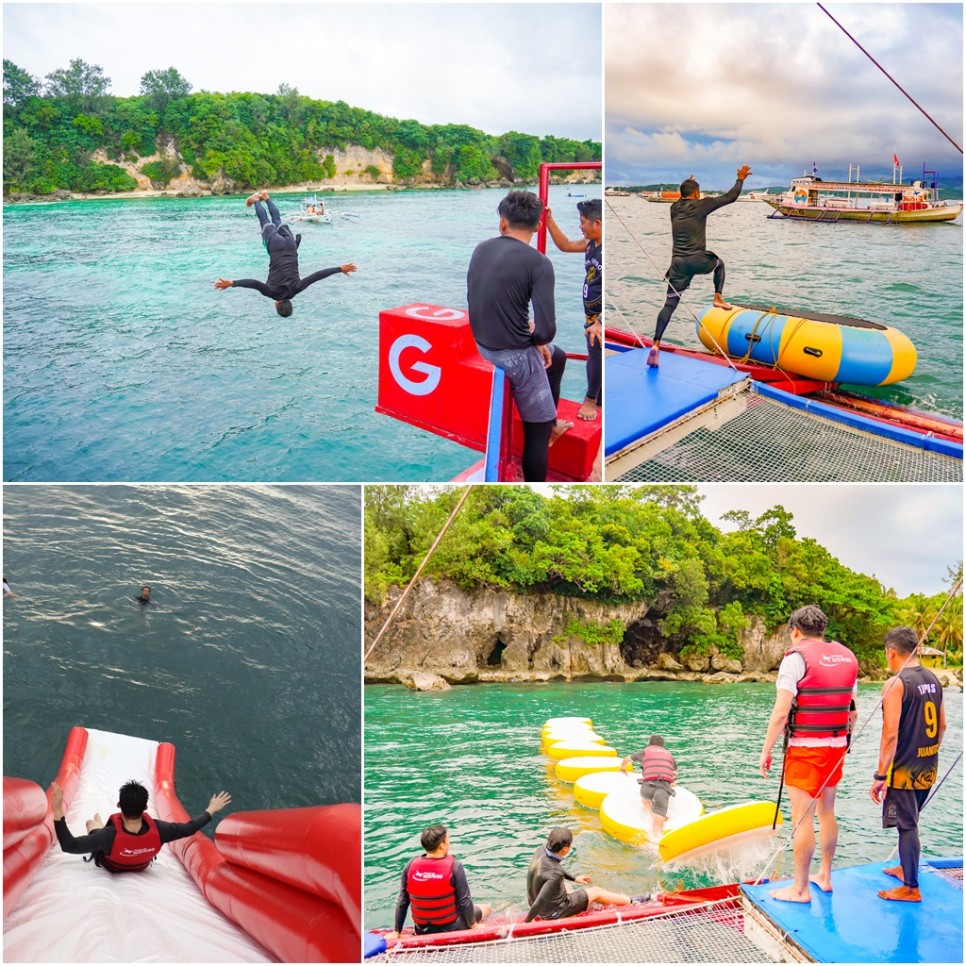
679,277
536,446
909,850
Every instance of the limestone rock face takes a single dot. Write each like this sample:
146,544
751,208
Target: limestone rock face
761,652
424,681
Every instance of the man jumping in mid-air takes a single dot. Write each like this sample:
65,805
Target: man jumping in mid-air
283,282
690,255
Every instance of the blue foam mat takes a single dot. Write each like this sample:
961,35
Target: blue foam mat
853,925
640,400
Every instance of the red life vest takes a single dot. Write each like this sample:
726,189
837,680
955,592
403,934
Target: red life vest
824,700
657,764
131,853
431,893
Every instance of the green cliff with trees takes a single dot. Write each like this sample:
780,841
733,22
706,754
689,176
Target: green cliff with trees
619,545
54,128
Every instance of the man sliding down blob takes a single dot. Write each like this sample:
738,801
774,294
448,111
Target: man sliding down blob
283,282
690,255
131,838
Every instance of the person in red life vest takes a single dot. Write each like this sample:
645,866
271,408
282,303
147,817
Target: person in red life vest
548,889
659,772
130,838
434,886
913,725
815,708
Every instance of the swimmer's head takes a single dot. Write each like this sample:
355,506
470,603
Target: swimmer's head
521,209
690,188
284,308
145,592
558,839
132,799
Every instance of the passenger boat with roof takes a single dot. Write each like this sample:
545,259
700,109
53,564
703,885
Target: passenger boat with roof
811,198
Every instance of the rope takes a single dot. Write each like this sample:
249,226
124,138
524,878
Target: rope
681,300
884,71
935,791
419,570
952,593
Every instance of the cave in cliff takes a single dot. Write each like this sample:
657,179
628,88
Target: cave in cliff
495,656
642,643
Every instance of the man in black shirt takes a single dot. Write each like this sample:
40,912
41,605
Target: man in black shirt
132,825
283,282
504,277
689,256
547,890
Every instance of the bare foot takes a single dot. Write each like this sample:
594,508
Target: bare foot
790,894
654,357
720,303
901,894
562,426
264,197
587,411
824,884
94,823
896,870
251,199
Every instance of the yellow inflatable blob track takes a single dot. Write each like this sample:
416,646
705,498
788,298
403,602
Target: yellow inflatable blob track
624,817
590,790
570,769
718,829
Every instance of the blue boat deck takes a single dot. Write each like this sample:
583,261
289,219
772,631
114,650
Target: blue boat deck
653,398
853,925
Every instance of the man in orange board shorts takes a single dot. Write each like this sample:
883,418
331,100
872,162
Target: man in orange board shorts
815,708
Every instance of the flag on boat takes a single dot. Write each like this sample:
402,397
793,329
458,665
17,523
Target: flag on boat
814,169
895,160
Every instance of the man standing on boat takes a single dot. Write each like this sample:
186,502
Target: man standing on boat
283,282
815,708
659,772
690,255
548,893
434,886
505,276
913,725
130,839
592,245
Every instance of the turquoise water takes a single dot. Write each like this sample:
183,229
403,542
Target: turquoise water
122,362
907,276
248,661
469,758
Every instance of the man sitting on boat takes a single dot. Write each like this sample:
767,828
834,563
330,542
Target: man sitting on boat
690,255
548,891
130,839
815,708
504,277
659,772
913,725
283,282
434,886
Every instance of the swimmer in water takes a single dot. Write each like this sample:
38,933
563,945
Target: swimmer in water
7,592
144,598
283,282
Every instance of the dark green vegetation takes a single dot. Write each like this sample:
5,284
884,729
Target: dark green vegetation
52,130
617,544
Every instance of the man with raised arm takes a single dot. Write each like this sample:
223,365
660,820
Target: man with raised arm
130,839
283,282
913,725
592,246
690,255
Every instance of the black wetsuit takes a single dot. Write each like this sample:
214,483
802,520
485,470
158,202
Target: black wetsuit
547,891
468,913
593,305
101,840
283,266
689,255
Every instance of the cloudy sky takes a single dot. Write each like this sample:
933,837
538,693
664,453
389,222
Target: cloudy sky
497,67
703,88
904,535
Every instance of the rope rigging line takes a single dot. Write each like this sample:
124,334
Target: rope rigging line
935,791
681,299
419,570
854,737
894,81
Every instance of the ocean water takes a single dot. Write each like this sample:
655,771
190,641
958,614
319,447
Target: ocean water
470,758
248,661
907,276
123,363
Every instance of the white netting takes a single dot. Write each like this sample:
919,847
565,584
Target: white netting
768,441
707,935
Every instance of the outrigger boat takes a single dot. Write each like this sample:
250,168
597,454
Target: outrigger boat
312,210
812,198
